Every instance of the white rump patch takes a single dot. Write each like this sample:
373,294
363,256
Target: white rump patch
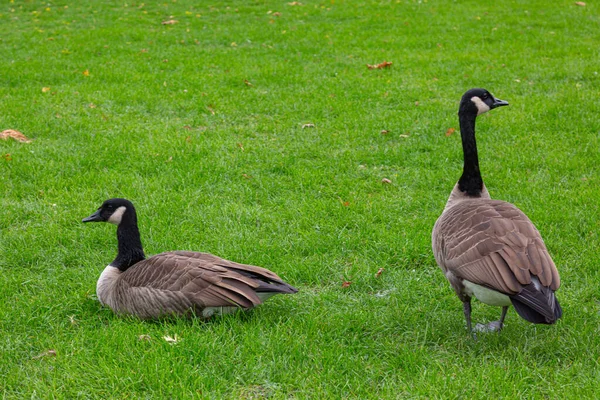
485,295
481,106
117,216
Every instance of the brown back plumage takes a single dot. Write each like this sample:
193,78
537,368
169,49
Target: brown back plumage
492,243
182,281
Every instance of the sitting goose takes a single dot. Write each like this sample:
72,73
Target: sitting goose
488,248
177,282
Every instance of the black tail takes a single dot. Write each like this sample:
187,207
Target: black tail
275,287
537,303
267,284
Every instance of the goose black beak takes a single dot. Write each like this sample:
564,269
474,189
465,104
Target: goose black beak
95,217
498,103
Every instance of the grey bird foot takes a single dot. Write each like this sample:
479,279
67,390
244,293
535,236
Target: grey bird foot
495,326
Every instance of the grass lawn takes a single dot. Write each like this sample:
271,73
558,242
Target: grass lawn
201,123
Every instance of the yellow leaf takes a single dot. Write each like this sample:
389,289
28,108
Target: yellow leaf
45,89
86,72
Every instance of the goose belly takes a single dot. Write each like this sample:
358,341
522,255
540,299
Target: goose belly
210,311
485,295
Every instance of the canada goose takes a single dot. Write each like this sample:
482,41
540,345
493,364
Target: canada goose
488,248
177,282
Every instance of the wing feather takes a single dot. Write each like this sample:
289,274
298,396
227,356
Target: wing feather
492,243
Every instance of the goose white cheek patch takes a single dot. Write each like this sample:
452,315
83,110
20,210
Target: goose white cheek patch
116,217
481,106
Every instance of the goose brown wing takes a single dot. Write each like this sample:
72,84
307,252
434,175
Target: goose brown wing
202,279
492,243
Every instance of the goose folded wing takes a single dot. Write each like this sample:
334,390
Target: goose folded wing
198,278
497,246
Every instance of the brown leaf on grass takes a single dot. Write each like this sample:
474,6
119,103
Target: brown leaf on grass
47,353
294,3
385,132
170,22
346,284
276,14
346,204
240,145
7,157
188,139
86,72
92,105
18,136
580,3
212,110
379,272
450,131
45,89
385,64
189,128
308,126
247,82
247,176
386,180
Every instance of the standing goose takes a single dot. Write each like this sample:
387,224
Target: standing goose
177,282
487,248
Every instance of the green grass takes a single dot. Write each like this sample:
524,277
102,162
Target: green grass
165,119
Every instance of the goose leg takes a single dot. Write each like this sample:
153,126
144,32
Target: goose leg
467,311
495,326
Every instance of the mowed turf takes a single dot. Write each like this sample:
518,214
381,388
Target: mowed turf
203,124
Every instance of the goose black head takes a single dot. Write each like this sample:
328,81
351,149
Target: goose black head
478,101
112,210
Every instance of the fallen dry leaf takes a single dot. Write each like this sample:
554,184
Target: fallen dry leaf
86,72
346,204
18,136
45,89
247,176
379,272
171,340
385,64
403,136
145,337
386,180
188,139
241,146
212,111
294,3
7,157
580,3
345,284
308,126
450,131
170,22
189,128
92,105
385,132
248,82
47,353
277,14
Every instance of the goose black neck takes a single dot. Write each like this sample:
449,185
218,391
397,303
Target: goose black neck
130,244
470,182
